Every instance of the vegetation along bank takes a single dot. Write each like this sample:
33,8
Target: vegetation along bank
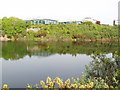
16,29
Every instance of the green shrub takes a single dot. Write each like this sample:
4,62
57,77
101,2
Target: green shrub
30,35
41,33
87,22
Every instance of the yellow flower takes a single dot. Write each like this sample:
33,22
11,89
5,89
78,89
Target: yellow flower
91,84
48,80
85,86
42,83
81,86
60,81
67,86
74,86
88,86
67,81
5,86
29,86
63,86
51,84
45,86
60,84
55,80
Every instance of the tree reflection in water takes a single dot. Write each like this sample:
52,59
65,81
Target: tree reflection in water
19,49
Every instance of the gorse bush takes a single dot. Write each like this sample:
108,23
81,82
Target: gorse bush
59,83
41,33
83,82
75,83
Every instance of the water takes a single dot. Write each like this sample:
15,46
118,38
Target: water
29,62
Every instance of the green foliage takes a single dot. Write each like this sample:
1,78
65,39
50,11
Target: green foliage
80,32
72,48
85,31
13,50
87,22
41,33
30,35
96,82
102,66
28,24
13,26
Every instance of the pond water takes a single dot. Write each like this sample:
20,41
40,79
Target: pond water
29,62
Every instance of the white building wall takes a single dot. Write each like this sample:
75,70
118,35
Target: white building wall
34,29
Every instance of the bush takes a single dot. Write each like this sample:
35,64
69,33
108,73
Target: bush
41,33
30,35
31,32
87,22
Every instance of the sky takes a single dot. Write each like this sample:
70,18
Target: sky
62,10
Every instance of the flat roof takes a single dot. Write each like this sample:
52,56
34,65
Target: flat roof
41,19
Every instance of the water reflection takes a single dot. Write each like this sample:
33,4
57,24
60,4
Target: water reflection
18,50
29,62
33,69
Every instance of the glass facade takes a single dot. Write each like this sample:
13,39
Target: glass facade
43,21
50,21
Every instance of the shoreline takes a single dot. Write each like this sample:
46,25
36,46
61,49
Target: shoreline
62,40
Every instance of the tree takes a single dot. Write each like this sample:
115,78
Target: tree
13,26
28,24
103,67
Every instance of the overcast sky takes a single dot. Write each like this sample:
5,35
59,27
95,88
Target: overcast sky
62,10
